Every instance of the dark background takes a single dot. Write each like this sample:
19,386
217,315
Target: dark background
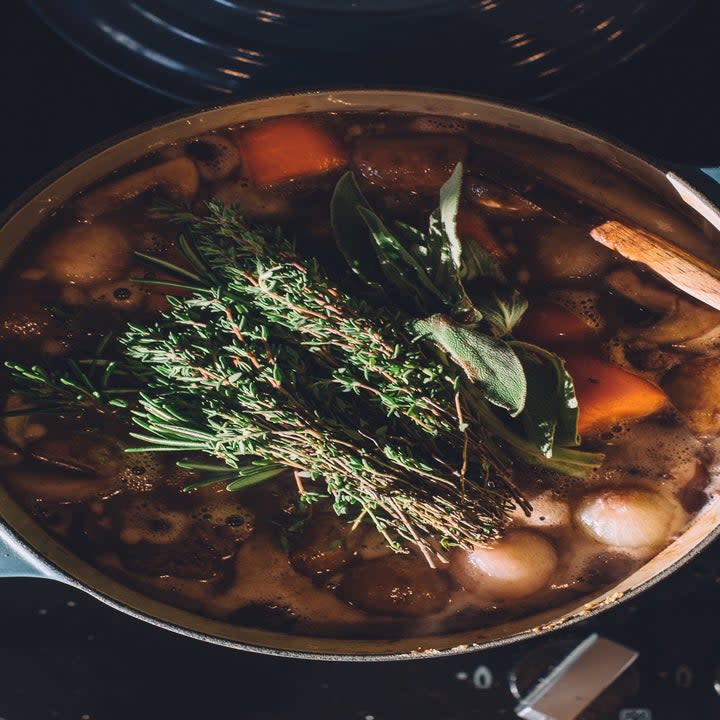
63,655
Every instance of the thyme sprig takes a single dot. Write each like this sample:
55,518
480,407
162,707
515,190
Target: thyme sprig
272,359
106,379
266,364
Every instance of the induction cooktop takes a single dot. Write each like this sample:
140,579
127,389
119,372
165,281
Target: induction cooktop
83,659
64,656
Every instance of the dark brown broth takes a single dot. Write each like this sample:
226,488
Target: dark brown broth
226,555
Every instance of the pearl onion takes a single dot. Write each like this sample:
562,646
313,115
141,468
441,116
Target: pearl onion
516,565
627,517
547,511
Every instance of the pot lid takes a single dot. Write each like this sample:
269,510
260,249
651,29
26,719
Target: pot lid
201,51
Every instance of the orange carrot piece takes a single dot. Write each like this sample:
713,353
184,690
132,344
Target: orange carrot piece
549,324
472,226
608,394
288,148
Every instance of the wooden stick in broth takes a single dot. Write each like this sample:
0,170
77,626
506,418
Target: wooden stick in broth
686,271
681,267
687,260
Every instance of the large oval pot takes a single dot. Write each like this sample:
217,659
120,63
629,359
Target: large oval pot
585,161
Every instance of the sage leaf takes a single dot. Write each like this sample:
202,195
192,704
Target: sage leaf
448,210
539,416
350,230
446,255
479,263
488,362
502,308
551,411
567,426
397,264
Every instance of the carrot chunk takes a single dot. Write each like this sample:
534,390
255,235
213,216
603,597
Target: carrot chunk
472,226
549,324
286,149
608,394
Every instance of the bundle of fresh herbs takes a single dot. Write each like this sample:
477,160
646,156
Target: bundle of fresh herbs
410,404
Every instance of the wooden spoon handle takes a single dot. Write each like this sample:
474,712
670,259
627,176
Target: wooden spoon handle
686,271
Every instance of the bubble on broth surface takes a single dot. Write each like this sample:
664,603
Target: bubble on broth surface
143,472
143,520
658,451
432,123
227,512
582,302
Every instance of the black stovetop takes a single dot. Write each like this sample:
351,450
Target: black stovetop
64,655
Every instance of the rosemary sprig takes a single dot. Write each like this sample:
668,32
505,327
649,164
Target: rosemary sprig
239,478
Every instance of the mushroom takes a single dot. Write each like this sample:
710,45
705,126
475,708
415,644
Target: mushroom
395,585
567,252
215,156
325,545
178,178
49,486
255,203
198,555
86,453
86,254
417,163
499,202
683,319
694,389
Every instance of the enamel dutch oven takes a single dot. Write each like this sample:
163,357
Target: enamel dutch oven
597,167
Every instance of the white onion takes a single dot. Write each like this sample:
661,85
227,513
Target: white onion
516,565
625,517
548,510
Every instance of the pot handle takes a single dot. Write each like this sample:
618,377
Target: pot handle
698,187
713,172
17,560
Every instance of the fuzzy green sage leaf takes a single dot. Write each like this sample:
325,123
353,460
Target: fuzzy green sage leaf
489,362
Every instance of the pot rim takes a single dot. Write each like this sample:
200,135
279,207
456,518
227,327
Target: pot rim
35,188
590,609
